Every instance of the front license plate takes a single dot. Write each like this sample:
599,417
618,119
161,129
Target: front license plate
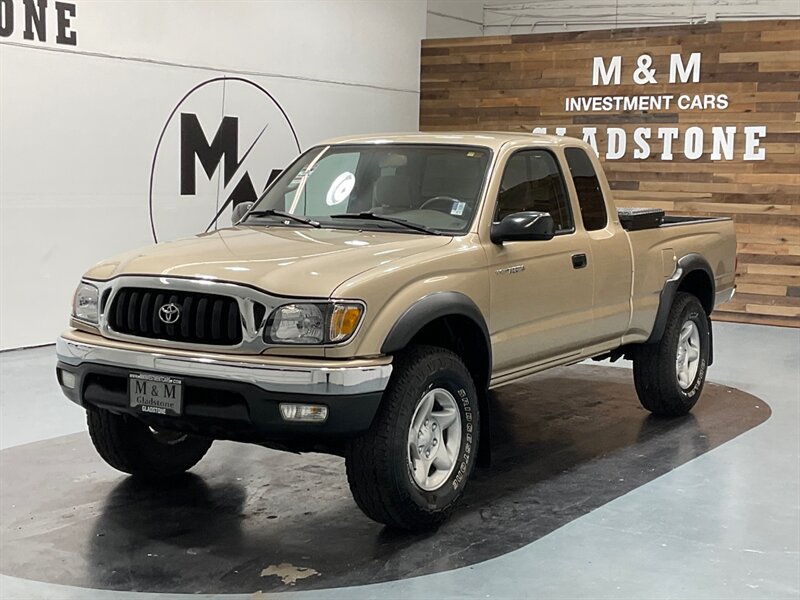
156,394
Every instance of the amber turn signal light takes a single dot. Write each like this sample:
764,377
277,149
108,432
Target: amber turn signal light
344,320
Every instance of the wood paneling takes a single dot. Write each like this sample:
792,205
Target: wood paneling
517,83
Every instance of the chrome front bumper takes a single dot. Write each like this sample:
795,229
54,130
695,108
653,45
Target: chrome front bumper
303,379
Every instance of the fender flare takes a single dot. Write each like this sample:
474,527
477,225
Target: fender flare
423,312
429,308
687,264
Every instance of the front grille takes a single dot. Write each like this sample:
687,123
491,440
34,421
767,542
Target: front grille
203,319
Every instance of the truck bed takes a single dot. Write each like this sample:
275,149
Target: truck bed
636,219
655,251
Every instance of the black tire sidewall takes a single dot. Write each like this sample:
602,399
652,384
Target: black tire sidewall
127,444
463,391
692,311
468,410
171,457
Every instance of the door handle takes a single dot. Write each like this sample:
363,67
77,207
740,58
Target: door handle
578,261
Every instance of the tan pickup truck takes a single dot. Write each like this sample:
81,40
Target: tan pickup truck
367,302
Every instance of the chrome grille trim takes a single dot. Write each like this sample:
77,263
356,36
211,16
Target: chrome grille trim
199,318
252,338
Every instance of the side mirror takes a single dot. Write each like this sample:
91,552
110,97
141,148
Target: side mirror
239,211
521,226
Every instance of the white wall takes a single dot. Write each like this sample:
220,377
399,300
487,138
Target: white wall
502,17
464,18
454,18
79,124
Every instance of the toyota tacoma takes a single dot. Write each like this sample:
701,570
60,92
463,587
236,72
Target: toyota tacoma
368,301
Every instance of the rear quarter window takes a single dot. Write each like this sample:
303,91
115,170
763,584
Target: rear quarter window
587,187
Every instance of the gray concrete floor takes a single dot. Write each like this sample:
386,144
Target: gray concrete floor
724,525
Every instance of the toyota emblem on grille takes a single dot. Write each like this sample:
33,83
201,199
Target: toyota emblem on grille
169,313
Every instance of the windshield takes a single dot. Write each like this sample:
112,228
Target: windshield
431,187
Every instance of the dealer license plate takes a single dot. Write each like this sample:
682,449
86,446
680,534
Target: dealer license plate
156,394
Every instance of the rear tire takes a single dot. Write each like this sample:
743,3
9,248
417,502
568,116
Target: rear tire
130,446
409,470
669,375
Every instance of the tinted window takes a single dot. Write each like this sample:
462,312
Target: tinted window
444,174
533,181
590,196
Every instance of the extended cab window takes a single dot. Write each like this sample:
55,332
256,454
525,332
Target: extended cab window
587,186
532,181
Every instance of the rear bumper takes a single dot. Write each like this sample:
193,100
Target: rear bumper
228,397
721,297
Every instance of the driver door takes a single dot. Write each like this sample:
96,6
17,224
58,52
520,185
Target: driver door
541,291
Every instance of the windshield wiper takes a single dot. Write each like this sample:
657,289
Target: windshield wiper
402,222
284,215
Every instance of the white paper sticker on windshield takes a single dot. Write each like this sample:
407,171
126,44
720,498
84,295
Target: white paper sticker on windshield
458,208
340,189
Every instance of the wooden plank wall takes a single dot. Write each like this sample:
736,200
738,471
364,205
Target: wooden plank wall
517,83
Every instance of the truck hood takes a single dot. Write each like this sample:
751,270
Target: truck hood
302,262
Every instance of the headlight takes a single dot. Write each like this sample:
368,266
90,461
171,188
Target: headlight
323,323
85,303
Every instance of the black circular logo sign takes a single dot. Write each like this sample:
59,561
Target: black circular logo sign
219,147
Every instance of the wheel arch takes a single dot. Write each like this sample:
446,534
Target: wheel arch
446,319
453,321
692,275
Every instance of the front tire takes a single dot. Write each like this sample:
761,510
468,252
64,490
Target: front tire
130,446
409,470
669,375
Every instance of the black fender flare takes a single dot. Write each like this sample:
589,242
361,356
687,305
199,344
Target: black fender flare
429,308
687,264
